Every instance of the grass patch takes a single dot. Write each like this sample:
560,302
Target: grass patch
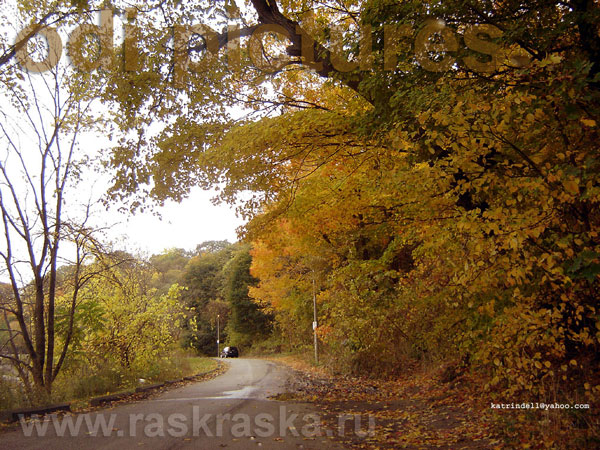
198,365
78,384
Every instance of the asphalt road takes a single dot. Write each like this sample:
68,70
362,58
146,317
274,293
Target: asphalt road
232,410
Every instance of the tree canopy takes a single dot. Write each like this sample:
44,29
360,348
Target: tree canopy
430,167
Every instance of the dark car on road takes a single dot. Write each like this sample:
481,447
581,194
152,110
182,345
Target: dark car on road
230,352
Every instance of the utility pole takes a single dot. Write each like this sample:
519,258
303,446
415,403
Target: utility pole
315,320
218,349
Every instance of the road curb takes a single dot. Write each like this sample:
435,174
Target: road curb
13,415
97,401
150,387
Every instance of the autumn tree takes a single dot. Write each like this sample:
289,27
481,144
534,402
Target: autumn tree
124,321
459,219
248,324
447,177
454,175
169,268
41,163
216,283
43,118
204,295
41,16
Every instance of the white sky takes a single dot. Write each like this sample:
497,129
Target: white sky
175,225
183,225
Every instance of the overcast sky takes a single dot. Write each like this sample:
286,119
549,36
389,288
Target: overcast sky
183,225
177,225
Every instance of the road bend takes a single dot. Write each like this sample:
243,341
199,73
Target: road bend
234,410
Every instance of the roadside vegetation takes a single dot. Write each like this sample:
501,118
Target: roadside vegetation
144,320
426,173
78,386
